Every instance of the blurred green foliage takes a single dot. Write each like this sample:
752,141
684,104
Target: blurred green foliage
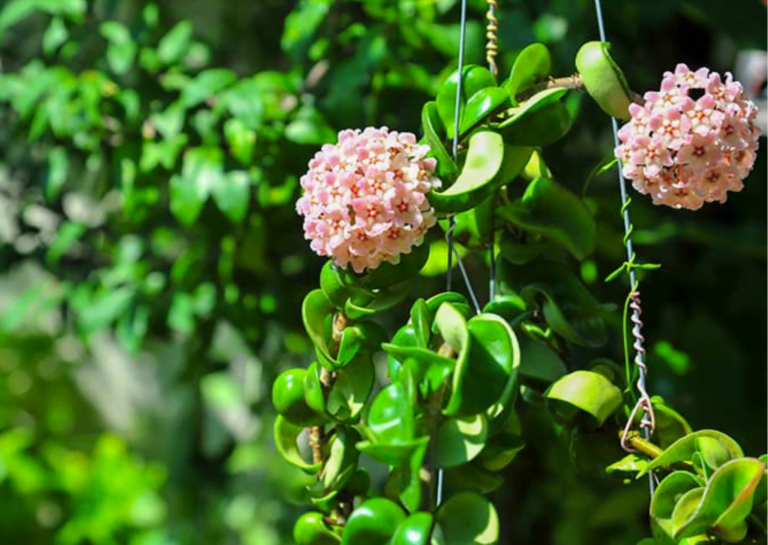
152,266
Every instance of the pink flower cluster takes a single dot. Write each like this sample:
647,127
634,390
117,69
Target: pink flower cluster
364,198
691,142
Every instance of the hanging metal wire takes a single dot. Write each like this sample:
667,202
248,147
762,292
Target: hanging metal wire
648,421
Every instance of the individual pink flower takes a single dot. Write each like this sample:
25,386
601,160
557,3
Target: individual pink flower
364,199
691,142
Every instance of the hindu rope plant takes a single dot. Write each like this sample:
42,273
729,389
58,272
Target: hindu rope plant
456,370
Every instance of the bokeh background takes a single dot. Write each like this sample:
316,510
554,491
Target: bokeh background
152,266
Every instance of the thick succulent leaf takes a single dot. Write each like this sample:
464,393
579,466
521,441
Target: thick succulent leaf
546,125
391,454
670,425
366,304
471,477
415,530
568,307
313,389
724,504
421,319
631,463
351,388
388,274
480,379
518,114
669,490
368,335
446,168
458,301
604,80
508,307
373,523
503,447
475,78
285,440
342,460
315,310
531,65
515,159
684,448
538,362
452,326
481,106
405,337
588,391
390,418
466,519
549,209
459,440
410,486
476,181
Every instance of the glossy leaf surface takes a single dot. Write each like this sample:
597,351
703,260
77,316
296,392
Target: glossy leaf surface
549,209
475,183
591,392
531,65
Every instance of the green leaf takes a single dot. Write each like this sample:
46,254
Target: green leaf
539,362
391,417
604,80
314,393
67,234
388,274
471,477
342,460
201,171
459,440
206,84
175,45
315,310
365,304
121,51
453,327
723,505
351,388
415,530
481,106
241,139
392,454
231,192
502,447
373,522
475,183
547,125
481,377
532,64
591,392
410,485
285,441
475,78
531,106
550,210
631,463
467,519
446,167
301,26
670,425
55,35
568,307
684,448
58,167
310,529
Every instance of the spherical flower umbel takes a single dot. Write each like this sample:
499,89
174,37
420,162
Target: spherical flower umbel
364,198
692,141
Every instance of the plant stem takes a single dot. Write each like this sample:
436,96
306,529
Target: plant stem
639,443
567,82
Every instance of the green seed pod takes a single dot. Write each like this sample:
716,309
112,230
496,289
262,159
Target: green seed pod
604,80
